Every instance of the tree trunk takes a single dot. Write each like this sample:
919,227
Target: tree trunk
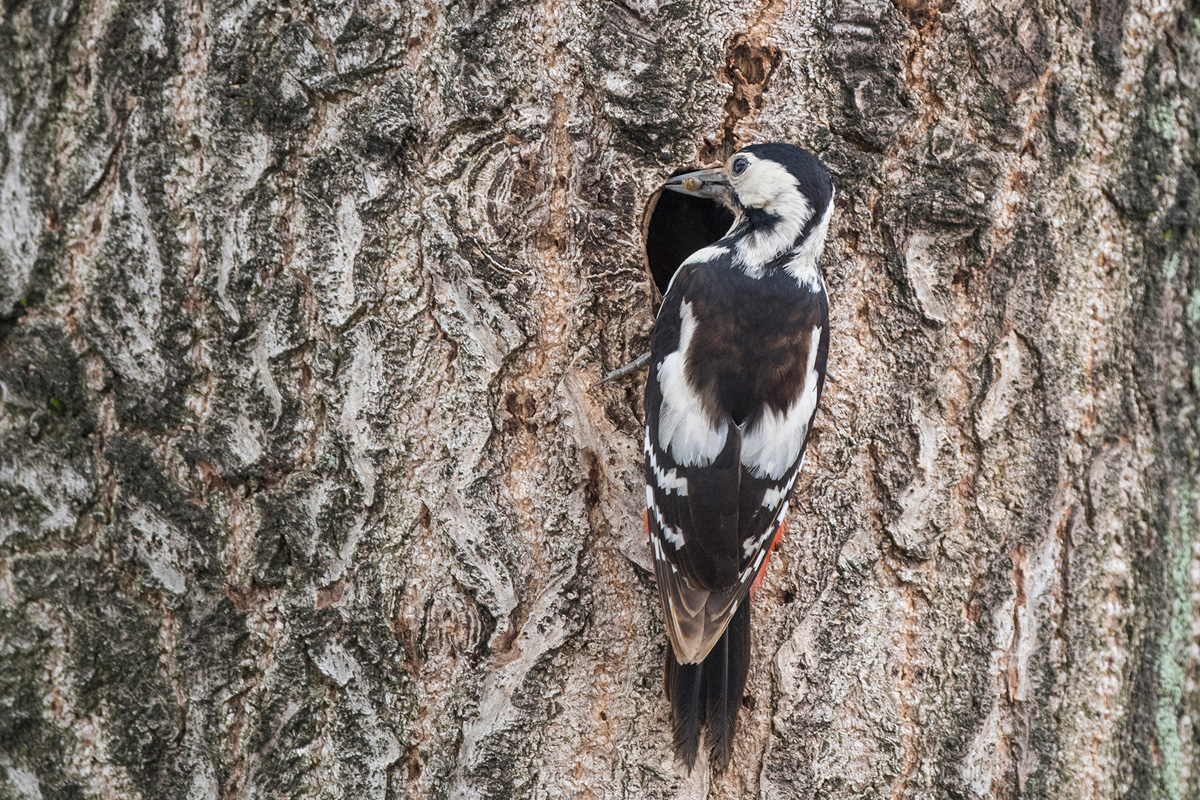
309,488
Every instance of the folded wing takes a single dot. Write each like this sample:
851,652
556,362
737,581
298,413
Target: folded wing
712,507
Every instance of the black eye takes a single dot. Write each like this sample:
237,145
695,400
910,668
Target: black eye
739,165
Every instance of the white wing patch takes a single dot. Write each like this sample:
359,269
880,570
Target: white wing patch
803,266
670,533
685,429
667,480
773,445
774,496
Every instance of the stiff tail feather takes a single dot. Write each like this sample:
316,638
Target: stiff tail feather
710,694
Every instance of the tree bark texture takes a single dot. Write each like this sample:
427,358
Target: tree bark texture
308,487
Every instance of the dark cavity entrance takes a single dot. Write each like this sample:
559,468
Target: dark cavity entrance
677,225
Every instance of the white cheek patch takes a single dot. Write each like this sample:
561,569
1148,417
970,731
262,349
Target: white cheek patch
771,187
685,429
773,445
803,266
762,182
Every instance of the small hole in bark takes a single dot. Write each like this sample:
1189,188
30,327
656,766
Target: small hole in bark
676,225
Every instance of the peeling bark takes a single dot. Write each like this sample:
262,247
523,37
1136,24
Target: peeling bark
308,487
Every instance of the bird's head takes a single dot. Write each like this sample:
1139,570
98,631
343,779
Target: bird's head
781,196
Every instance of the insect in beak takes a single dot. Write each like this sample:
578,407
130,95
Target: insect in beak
711,184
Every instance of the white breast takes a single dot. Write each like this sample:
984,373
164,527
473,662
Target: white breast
803,265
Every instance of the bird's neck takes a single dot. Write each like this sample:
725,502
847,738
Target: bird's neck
772,231
760,245
795,241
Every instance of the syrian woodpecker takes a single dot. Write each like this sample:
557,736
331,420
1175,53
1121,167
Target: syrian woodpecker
737,365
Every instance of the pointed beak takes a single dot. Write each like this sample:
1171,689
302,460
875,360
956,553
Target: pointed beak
708,183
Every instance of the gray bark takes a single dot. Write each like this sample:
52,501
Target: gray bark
307,487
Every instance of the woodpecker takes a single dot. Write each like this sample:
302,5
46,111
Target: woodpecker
737,366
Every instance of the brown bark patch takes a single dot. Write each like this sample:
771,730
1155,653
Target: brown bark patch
920,13
331,595
749,65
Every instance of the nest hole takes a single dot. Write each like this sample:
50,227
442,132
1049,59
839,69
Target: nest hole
675,225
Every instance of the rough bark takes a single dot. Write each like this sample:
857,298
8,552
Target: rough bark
307,487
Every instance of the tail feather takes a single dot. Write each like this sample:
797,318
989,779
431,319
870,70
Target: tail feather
710,694
725,680
684,687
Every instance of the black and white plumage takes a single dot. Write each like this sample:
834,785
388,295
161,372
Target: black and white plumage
737,367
